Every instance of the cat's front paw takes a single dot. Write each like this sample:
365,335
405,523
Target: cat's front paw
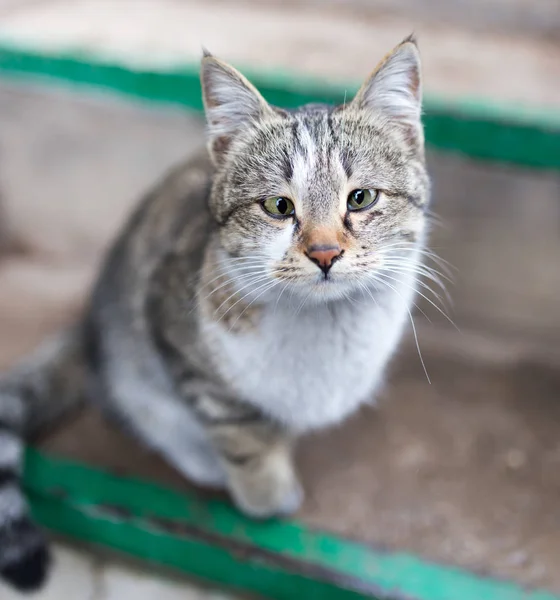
267,497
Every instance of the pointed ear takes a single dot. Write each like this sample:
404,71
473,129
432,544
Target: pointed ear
395,87
231,103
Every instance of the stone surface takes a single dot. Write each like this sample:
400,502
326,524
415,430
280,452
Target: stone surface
74,576
117,583
81,575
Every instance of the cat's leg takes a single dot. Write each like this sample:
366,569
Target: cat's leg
213,440
165,422
256,454
260,469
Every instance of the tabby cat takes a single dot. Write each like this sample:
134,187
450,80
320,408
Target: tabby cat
256,294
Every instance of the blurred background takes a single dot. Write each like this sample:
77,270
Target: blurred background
464,471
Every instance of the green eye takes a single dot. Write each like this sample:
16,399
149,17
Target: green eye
359,199
279,206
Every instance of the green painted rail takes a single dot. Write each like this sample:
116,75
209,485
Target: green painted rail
280,560
479,129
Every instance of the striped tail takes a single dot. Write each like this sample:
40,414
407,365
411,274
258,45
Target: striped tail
32,396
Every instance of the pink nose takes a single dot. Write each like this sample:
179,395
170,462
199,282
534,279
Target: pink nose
324,256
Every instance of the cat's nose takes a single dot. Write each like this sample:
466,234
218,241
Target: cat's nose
324,256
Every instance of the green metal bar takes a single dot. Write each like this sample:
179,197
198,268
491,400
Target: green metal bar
476,128
209,539
232,569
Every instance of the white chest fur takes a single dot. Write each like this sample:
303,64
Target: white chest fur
312,369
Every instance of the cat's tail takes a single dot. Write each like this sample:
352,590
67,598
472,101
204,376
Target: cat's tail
34,395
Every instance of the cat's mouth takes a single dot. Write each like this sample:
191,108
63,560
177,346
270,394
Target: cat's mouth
331,286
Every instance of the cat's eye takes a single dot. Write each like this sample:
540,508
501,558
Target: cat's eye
279,206
360,199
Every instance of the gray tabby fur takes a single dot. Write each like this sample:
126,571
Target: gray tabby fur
210,334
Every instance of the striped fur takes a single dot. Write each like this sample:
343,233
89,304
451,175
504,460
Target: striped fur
34,395
214,333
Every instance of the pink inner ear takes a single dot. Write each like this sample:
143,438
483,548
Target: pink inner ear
415,83
395,87
231,101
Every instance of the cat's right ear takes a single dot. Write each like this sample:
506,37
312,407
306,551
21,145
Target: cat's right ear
231,103
395,88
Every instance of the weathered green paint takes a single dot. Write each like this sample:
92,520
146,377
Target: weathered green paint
476,128
198,558
209,539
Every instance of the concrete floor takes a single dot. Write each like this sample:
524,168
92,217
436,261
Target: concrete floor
81,575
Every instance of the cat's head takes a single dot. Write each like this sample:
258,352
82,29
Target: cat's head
322,198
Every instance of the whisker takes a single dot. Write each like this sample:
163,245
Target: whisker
280,296
428,300
426,253
435,219
420,269
412,246
300,308
251,283
270,286
264,285
413,330
411,300
232,259
427,275
401,271
237,278
414,303
416,263
365,287
238,272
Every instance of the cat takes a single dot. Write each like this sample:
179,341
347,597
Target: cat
256,294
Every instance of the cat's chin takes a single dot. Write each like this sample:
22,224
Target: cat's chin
328,290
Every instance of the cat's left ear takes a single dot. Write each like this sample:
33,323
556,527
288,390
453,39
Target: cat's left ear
231,103
395,87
